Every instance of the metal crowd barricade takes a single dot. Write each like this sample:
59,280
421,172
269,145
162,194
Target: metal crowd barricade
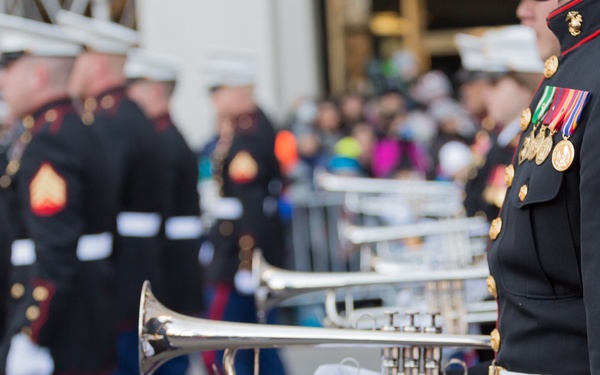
352,224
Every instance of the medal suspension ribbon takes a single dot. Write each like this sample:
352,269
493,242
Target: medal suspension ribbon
572,118
529,148
564,152
565,100
544,105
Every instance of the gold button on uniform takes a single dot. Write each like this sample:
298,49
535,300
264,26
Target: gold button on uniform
550,66
495,340
495,228
88,118
40,293
5,181
17,290
246,242
28,122
26,137
107,102
51,115
509,175
13,167
491,285
523,192
32,313
90,105
525,119
226,228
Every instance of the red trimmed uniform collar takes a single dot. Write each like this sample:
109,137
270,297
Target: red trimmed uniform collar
163,122
51,112
590,28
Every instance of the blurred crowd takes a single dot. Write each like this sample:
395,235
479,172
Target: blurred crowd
397,134
461,128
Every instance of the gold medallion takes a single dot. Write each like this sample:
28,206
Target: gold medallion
524,150
550,66
525,118
575,20
563,155
544,150
536,142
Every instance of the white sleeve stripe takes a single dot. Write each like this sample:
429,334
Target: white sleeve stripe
138,224
183,227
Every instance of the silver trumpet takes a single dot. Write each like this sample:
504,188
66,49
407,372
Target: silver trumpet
164,335
273,285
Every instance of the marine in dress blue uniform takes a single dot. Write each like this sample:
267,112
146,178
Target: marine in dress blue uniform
61,308
247,174
135,166
152,80
544,244
510,59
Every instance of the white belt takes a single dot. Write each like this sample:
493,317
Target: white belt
226,209
138,224
183,228
89,247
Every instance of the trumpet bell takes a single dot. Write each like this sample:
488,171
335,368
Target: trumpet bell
164,334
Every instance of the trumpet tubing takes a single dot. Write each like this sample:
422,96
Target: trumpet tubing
335,183
164,334
274,284
358,235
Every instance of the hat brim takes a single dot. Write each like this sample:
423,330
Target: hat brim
7,58
466,76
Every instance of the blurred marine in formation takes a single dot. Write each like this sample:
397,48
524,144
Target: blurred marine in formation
152,80
249,180
511,60
61,308
135,162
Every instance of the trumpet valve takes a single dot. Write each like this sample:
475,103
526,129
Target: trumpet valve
434,327
411,355
390,357
432,356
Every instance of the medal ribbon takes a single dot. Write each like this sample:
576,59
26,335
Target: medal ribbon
562,109
572,119
555,107
544,105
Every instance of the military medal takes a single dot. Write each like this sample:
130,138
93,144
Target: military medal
564,152
565,99
544,150
537,144
530,143
524,150
563,155
533,144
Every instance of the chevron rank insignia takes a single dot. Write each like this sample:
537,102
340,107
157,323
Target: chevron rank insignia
47,192
243,168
